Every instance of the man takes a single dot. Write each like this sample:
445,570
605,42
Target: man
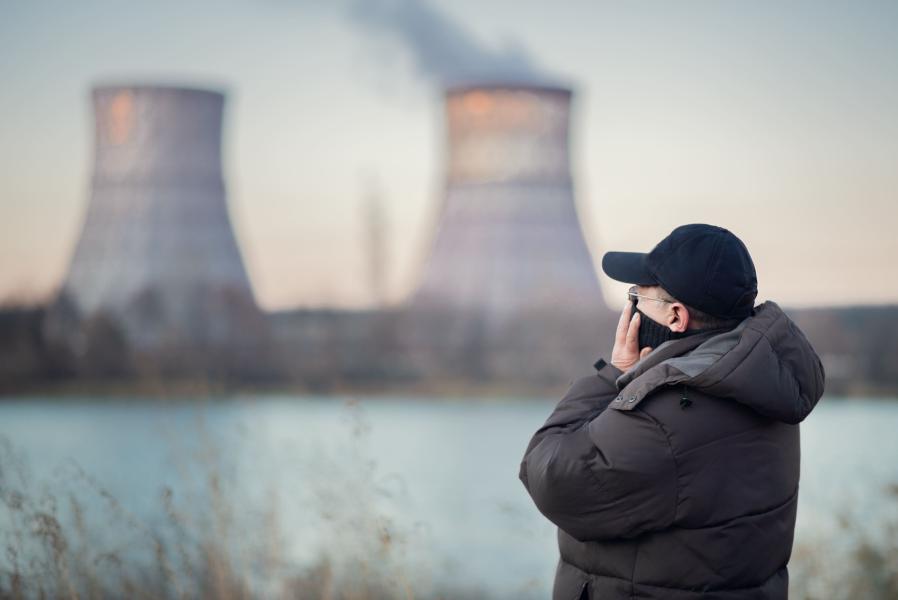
672,473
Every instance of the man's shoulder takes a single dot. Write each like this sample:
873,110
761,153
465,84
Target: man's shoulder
681,406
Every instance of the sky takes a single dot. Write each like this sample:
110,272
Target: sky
778,121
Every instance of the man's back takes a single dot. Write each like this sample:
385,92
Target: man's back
679,478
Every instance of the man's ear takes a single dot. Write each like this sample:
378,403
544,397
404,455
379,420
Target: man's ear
678,321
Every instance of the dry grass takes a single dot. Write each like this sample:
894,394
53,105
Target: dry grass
74,539
854,564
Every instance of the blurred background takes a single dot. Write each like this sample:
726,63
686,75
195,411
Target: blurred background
286,286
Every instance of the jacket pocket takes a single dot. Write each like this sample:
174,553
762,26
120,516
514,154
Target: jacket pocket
584,593
570,583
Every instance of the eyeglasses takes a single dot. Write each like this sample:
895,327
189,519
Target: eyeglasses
631,293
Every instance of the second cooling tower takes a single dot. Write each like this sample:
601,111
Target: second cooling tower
508,238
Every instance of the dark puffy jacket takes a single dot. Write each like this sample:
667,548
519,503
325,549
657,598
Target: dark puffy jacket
686,487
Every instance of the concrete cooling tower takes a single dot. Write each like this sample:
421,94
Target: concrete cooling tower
508,237
157,248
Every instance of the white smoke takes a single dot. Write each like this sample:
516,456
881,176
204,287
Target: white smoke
443,51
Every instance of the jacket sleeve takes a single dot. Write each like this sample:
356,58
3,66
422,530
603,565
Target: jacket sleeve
601,474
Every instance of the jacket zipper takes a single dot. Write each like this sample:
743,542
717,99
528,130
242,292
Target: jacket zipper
685,402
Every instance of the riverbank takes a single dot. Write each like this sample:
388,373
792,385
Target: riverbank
199,388
435,388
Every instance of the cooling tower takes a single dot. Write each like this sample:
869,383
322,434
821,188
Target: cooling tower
157,248
508,237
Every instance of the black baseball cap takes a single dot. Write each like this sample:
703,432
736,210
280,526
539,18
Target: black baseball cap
701,265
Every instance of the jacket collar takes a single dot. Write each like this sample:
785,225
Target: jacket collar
765,363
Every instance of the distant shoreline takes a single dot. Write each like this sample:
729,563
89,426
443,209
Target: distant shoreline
188,389
436,389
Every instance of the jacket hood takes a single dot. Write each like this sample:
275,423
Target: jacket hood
765,363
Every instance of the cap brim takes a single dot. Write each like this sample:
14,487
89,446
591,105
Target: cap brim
629,267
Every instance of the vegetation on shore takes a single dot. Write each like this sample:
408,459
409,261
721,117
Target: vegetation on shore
392,351
72,538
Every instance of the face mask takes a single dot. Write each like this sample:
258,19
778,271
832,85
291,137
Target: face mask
653,334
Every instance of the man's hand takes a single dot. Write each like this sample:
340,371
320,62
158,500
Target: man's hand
626,341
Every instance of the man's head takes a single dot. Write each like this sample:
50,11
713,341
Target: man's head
658,304
698,277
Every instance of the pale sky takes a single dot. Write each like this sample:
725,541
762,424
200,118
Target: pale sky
776,120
